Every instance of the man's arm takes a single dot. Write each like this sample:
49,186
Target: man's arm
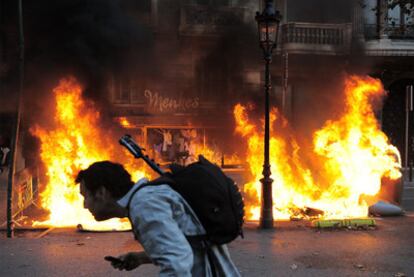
159,234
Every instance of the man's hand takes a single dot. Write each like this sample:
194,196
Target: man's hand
129,261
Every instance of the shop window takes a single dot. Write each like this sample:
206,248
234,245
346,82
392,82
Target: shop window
175,145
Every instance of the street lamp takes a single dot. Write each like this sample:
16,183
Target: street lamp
268,23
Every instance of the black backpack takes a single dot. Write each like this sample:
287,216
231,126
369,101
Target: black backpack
214,197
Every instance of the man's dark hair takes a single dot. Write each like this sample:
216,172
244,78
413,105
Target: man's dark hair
112,176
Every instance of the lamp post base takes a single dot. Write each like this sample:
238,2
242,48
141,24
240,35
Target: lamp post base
266,224
266,216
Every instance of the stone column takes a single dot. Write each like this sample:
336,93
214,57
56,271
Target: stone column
402,20
154,13
382,16
357,21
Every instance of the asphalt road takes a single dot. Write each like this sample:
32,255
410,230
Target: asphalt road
291,249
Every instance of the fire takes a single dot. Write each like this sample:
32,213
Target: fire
124,122
349,158
215,155
73,144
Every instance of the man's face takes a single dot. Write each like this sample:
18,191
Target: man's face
100,203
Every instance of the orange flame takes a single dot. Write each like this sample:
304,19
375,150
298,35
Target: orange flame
124,122
215,155
352,156
74,144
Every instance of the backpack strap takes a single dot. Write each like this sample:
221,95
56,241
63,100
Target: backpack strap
129,203
133,194
202,242
159,181
163,180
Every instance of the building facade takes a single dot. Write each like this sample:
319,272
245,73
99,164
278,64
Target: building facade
206,58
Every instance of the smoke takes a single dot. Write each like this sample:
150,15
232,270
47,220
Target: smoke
221,77
92,39
316,81
87,39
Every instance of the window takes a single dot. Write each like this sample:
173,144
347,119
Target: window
126,91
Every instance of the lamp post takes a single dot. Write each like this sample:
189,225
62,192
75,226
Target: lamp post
268,23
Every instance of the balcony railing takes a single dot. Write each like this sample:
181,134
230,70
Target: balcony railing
208,20
331,39
392,31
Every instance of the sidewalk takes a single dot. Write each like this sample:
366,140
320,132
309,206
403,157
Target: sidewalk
291,249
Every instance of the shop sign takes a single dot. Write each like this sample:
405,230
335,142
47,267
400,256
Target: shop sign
160,103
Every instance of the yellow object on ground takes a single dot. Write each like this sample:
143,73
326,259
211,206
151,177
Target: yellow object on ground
338,223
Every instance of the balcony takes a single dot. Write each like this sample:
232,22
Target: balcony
316,38
396,40
201,20
394,31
